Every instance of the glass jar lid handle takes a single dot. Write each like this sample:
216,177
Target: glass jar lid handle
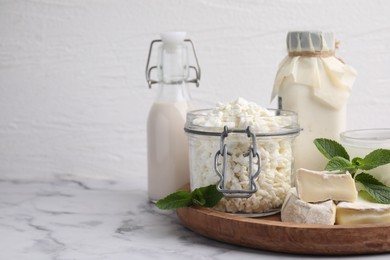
223,151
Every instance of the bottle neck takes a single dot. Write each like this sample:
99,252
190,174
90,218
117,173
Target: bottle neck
173,92
173,74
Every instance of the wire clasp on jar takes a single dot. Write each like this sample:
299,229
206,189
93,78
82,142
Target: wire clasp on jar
252,153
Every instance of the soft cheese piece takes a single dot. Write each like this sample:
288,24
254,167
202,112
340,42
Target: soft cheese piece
362,212
298,211
316,186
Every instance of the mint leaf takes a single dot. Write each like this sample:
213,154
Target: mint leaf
207,196
340,164
357,161
197,197
377,190
380,193
366,196
211,195
367,178
375,158
179,199
330,148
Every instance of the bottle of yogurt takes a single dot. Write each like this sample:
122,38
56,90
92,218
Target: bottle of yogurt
316,84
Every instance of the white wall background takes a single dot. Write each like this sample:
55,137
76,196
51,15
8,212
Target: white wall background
73,97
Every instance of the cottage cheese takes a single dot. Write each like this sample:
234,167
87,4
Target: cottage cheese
274,180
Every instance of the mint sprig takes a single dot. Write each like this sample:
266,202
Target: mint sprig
339,160
207,196
330,148
179,199
375,159
375,188
210,195
341,164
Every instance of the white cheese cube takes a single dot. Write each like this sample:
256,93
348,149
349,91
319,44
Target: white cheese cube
315,186
298,211
362,212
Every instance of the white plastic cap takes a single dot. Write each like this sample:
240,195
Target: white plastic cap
172,39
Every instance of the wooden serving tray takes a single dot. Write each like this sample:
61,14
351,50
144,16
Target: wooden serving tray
269,233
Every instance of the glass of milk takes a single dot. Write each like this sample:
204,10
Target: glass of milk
359,143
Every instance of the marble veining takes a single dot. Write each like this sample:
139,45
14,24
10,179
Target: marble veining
69,217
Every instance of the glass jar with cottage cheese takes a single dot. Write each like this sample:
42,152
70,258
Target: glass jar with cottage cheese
246,151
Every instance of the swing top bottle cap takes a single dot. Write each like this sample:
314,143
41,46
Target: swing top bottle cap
172,39
310,41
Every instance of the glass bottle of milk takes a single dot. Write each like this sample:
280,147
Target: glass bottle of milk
167,148
316,84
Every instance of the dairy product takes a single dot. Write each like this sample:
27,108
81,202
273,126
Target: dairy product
362,212
315,186
166,142
316,118
167,148
314,83
275,153
298,211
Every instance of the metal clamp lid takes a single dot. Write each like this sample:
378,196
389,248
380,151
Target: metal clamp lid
252,152
148,69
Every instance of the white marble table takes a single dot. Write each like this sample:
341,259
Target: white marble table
69,217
